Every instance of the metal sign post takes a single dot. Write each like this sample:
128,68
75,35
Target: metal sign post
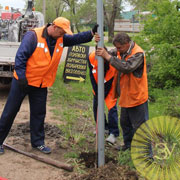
100,20
44,10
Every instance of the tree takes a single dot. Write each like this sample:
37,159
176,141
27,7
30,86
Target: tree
86,10
73,6
54,8
86,14
161,31
142,5
57,9
112,9
81,11
139,4
68,8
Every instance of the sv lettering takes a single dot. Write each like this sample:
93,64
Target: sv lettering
163,151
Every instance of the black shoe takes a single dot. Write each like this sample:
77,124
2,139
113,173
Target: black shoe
1,149
44,149
123,148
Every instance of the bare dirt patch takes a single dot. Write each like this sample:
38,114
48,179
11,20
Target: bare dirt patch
15,166
109,171
90,159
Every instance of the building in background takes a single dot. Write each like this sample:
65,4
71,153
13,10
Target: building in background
130,21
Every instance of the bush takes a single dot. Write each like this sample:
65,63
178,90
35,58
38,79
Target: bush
163,44
165,71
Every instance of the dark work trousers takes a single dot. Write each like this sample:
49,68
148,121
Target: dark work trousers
112,124
131,119
37,101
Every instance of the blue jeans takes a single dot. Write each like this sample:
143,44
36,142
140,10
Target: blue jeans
37,101
112,124
131,119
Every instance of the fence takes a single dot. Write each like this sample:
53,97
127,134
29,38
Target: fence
125,25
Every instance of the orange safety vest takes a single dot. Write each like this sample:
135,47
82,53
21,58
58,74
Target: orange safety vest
110,102
133,90
41,68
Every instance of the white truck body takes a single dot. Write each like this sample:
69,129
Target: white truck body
7,60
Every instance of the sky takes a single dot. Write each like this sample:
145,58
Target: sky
13,3
126,5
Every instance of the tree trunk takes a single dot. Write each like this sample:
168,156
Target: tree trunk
110,34
110,19
75,22
77,27
57,9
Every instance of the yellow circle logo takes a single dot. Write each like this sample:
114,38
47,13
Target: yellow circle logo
155,149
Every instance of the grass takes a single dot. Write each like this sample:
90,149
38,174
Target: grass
124,158
72,103
164,102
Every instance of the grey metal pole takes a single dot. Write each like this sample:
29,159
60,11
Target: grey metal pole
133,19
44,10
100,20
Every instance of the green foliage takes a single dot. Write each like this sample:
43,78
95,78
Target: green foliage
70,98
165,72
143,42
142,5
124,158
74,10
139,4
87,12
71,155
111,12
163,37
54,8
164,27
158,101
110,8
173,104
164,102
73,104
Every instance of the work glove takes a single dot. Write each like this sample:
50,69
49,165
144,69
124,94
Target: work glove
94,29
23,84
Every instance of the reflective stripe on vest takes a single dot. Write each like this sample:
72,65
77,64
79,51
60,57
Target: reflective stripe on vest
41,68
110,102
134,91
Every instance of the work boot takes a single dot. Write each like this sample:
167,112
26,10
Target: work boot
44,149
123,148
1,149
111,139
